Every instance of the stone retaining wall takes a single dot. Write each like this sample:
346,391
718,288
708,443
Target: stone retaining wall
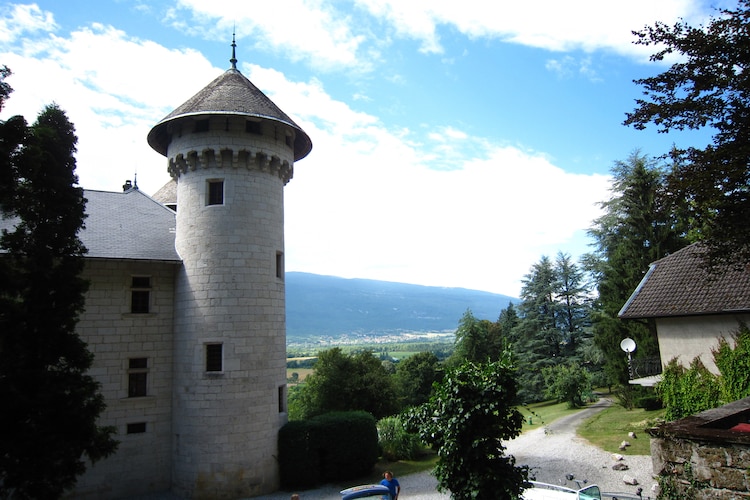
704,456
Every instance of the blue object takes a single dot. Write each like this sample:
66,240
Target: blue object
366,490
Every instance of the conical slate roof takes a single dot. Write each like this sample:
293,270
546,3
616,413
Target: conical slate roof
229,94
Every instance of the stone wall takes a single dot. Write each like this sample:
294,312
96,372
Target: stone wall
114,335
705,456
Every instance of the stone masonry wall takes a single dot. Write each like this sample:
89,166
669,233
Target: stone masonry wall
705,456
142,462
230,292
716,471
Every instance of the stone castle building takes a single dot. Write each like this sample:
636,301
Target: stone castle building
186,309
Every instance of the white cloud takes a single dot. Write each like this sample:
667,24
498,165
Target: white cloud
331,36
568,66
369,202
313,31
549,24
434,205
19,19
114,88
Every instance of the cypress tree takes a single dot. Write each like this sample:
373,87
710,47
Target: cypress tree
48,426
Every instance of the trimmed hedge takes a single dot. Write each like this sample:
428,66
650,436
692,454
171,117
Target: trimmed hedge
330,447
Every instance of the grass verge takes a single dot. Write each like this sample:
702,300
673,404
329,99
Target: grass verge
540,414
610,427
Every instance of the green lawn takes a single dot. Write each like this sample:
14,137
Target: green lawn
610,427
540,414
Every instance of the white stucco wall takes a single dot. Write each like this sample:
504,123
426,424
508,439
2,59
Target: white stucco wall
686,338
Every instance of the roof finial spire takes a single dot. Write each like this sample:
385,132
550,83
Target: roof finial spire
233,60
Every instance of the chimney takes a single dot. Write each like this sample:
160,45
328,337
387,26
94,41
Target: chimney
127,186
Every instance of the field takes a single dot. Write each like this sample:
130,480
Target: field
302,373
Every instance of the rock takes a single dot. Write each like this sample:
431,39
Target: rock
620,466
632,435
624,445
629,480
617,457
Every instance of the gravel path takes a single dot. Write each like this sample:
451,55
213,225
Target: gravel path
551,452
555,451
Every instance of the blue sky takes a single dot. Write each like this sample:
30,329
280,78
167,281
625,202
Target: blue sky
454,143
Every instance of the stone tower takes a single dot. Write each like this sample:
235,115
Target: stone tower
231,151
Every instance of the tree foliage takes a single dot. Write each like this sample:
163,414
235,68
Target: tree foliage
709,86
414,378
554,321
477,340
635,230
344,382
568,382
50,405
470,414
5,88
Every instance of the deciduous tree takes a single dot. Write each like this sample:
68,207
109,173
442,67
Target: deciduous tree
414,378
567,382
469,416
708,87
344,382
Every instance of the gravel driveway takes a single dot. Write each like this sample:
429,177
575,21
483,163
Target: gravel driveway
551,452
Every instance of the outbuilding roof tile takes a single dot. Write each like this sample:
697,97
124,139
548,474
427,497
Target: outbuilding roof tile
679,285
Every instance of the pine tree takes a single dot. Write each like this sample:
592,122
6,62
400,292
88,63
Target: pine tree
539,339
635,230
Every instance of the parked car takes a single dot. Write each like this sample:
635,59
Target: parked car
545,491
374,491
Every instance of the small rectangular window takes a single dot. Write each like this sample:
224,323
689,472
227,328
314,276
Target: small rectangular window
140,294
252,127
136,428
137,377
215,192
279,265
214,357
201,125
282,399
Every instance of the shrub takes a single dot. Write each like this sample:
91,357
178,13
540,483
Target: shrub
329,447
394,440
688,391
569,382
734,365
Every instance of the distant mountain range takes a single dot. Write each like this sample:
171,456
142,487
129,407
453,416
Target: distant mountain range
320,306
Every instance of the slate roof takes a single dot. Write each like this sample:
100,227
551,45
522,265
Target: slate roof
229,94
125,225
678,285
167,194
